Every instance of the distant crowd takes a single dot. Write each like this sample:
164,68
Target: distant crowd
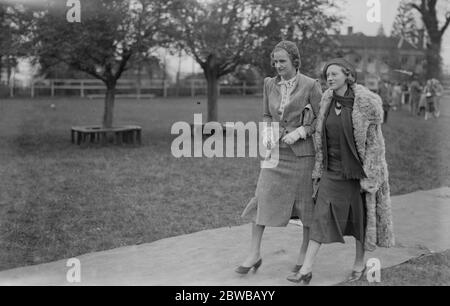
421,99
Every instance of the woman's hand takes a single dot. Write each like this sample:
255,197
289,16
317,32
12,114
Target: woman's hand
295,135
368,186
267,138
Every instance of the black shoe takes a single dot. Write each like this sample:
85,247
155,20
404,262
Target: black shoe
300,278
356,276
244,270
296,268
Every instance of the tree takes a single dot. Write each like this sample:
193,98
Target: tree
220,35
429,14
405,24
12,25
111,34
308,23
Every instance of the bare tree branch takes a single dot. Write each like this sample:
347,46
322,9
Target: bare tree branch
447,23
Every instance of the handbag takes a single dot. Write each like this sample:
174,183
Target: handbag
307,116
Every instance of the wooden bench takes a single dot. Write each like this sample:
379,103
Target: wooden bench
128,134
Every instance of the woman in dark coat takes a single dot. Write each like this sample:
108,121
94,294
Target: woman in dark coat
290,102
350,171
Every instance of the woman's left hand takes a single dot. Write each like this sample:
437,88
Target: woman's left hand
295,135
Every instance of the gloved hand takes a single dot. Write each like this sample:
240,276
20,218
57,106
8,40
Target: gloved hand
267,137
368,185
295,135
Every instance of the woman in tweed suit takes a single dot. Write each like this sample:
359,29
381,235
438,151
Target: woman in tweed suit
291,100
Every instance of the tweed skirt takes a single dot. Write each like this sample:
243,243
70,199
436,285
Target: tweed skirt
283,192
339,211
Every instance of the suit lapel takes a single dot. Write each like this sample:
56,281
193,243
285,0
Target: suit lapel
296,85
293,95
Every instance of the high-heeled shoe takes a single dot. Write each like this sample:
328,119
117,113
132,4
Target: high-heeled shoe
356,276
300,278
296,268
245,270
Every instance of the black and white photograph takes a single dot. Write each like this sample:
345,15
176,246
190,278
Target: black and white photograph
231,150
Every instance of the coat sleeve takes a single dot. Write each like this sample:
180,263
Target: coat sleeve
374,159
314,100
267,116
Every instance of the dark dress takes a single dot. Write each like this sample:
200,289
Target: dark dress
340,207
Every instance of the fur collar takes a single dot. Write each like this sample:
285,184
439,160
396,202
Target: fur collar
367,102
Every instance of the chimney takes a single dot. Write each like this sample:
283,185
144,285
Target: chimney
349,30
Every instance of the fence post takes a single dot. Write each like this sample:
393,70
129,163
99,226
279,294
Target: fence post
82,89
243,88
165,88
218,89
12,82
138,90
192,88
32,88
52,88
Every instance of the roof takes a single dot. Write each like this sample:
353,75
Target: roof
361,41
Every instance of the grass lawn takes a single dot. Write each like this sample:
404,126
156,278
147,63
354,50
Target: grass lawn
58,200
428,270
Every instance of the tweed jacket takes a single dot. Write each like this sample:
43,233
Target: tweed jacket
367,117
305,97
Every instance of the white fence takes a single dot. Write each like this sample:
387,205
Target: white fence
193,87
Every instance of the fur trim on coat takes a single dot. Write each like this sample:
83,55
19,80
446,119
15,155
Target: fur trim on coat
367,117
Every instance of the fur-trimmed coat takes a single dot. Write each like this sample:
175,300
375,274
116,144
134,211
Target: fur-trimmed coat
367,117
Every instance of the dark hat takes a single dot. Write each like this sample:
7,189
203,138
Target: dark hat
340,62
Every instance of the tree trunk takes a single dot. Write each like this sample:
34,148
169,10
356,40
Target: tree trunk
139,81
427,8
434,60
8,71
108,114
213,93
178,73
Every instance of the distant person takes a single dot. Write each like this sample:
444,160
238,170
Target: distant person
396,96
433,93
351,174
415,90
423,102
438,89
405,94
384,93
290,99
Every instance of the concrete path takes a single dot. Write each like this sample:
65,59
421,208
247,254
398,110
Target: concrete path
421,221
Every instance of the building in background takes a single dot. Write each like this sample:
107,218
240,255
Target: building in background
381,57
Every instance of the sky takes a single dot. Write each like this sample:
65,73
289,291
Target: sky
356,11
